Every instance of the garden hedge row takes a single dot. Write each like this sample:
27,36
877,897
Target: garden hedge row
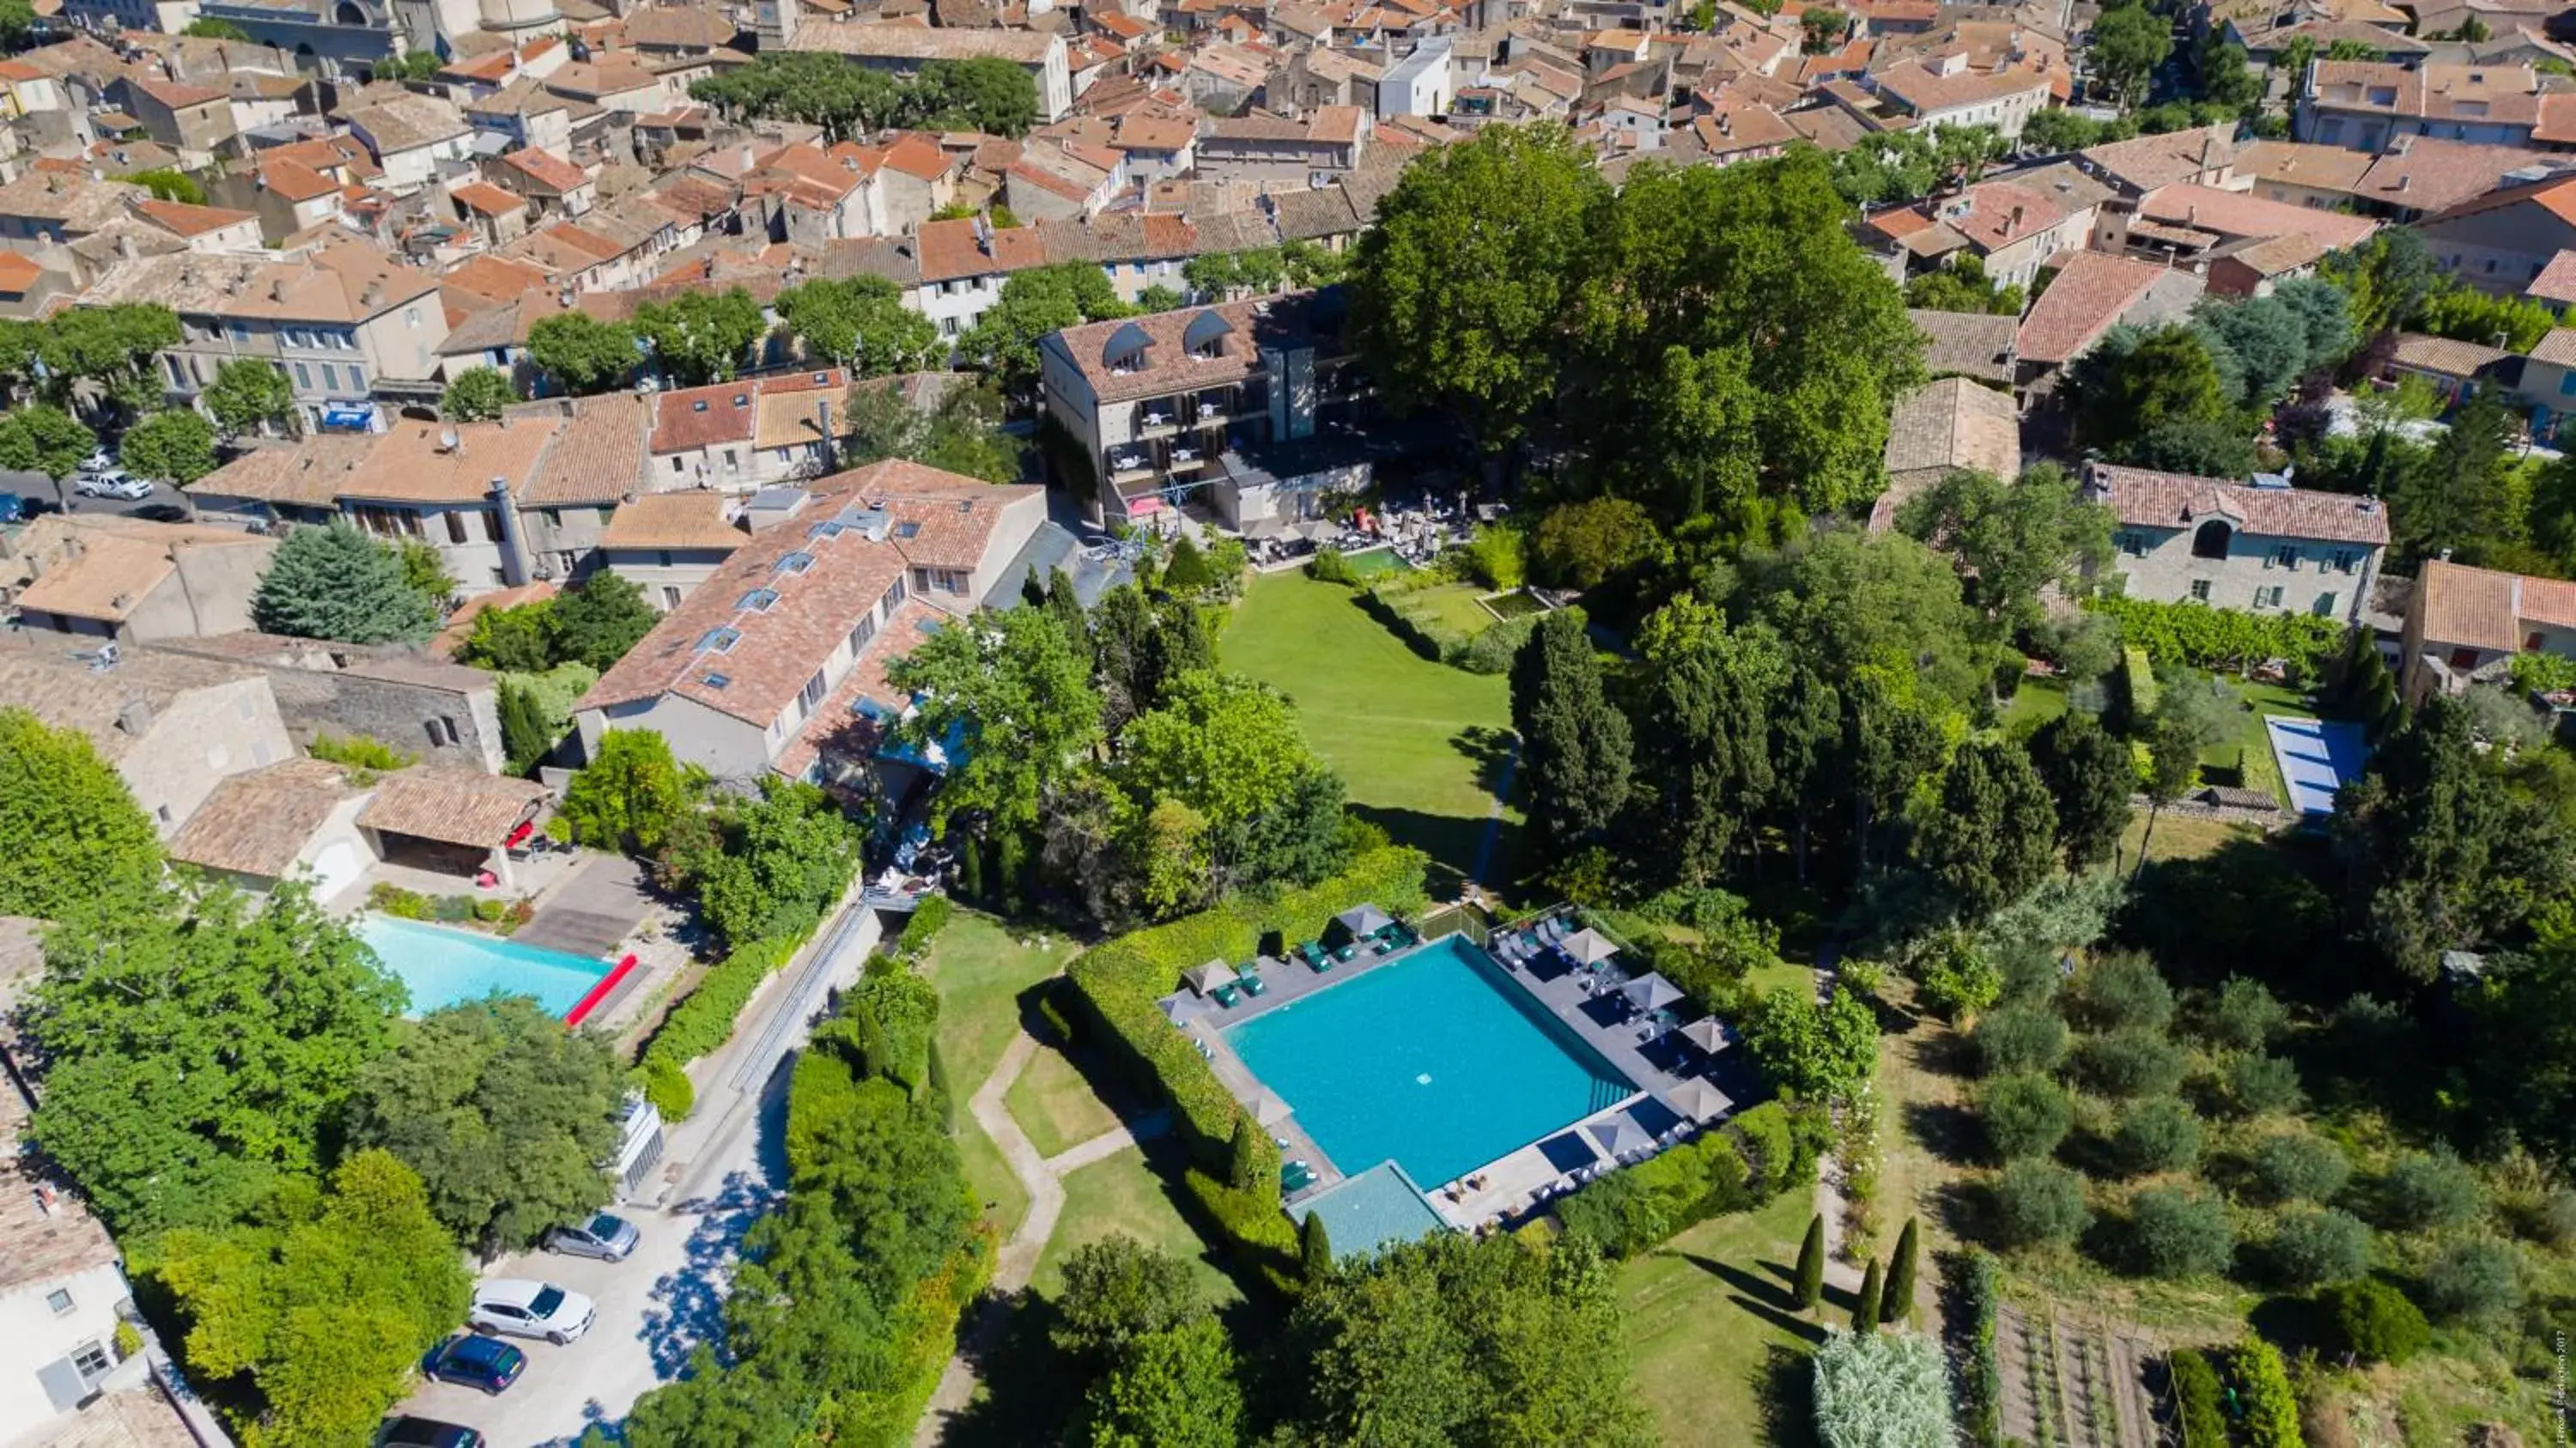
1116,984
1489,650
1753,1158
1981,1384
2215,638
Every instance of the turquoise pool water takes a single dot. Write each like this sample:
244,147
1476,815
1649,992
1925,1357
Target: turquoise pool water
440,967
1435,1062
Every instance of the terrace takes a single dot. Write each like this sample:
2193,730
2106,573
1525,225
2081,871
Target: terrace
1673,1079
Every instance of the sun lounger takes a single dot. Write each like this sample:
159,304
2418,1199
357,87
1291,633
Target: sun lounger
1253,985
1225,995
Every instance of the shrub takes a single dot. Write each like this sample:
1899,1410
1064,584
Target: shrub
2196,1391
1116,984
2376,1321
1982,1385
2205,637
1329,566
358,751
1637,1207
386,898
2025,1116
2122,992
2245,1017
1260,1233
2311,1248
2424,1191
2555,1222
2039,1202
2157,1135
2294,1166
2258,1084
2020,1038
2130,1063
2264,1401
1881,1390
2173,1233
668,1088
928,919
705,1019
1493,648
1495,555
2472,1278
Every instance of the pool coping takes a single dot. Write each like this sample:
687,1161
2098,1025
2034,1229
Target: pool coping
2275,726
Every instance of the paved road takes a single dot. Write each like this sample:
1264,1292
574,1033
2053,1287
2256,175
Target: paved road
727,1164
37,488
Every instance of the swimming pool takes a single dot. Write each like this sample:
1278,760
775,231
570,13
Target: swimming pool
440,967
2317,757
1434,1061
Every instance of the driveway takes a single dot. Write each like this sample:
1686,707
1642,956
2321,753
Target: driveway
727,1164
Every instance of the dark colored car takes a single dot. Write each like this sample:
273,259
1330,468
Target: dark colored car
160,513
12,508
477,1362
408,1432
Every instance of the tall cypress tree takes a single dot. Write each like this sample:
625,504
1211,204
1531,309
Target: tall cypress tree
1244,1165
524,736
2089,774
1314,1248
1574,744
1066,605
1864,1316
1811,1265
1899,1301
1709,754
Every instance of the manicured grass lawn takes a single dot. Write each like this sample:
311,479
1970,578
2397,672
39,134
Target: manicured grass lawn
980,969
1124,1193
1055,1105
1418,743
1712,1330
2035,703
1455,605
2183,837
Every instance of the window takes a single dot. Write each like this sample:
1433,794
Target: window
2567,384
719,640
662,557
731,463
411,316
91,1361
330,378
859,636
303,379
441,730
491,526
2287,555
357,378
455,527
553,517
670,595
60,1300
2464,659
2134,544
678,466
2268,597
605,514
2325,605
893,596
2200,589
2345,559
2211,540
2531,644
813,692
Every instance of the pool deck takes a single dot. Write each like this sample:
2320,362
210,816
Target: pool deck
1520,1180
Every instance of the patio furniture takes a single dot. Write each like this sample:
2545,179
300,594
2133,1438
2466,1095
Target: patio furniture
1252,984
1296,1176
1209,978
1589,946
1313,954
1226,996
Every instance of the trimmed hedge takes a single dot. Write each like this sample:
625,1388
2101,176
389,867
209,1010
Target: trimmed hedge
1488,650
928,918
1755,1157
1981,1385
1116,984
2195,1385
1262,1236
705,1020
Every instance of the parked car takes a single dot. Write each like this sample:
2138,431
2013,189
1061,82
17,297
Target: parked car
13,509
476,1362
411,1432
608,1238
121,486
523,1307
159,513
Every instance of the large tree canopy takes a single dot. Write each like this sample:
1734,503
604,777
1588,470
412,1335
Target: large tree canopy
334,582
196,1044
68,827
1016,693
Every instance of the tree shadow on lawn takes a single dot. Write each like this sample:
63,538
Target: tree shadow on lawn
1947,1130
1124,1100
1450,841
1029,1390
1769,1300
688,1304
1492,749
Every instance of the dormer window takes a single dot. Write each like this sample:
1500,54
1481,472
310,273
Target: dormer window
1205,336
742,399
698,406
821,378
758,600
1126,350
796,562
719,640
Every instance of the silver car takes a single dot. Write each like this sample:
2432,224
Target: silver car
608,1238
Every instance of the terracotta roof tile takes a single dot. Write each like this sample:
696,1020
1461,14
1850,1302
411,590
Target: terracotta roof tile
257,823
2149,499
2090,293
452,805
692,519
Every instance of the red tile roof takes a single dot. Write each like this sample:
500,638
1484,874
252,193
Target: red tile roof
2090,293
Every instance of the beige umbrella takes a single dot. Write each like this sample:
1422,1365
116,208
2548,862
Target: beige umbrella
1205,978
1589,946
1651,992
1180,1010
1698,1100
1269,1110
1707,1033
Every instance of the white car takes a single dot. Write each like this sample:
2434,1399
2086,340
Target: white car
523,1307
112,484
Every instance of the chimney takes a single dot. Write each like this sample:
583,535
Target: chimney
2015,224
2402,179
277,289
514,555
125,245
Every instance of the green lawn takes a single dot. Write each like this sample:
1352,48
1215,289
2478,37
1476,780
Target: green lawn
980,969
1455,606
1055,1104
1125,1193
2252,743
1415,741
1715,1347
2033,704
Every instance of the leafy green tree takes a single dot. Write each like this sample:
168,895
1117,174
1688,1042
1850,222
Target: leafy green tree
2024,1116
2020,1038
1118,1291
2245,1016
324,1302
2018,540
2387,277
1176,1389
526,736
333,582
2136,384
1231,751
2089,774
2039,1203
1574,744
2313,1248
477,395
2474,1278
783,859
984,93
1865,1306
40,438
2130,1063
196,1045
169,184
2227,76
1314,1249
1897,1305
1582,544
700,336
1880,615
2173,1233
815,87
69,828
2427,1191
1811,1264
1735,352
2445,854
2326,311
518,639
2264,339
1160,298
177,447
1459,1340
507,1117
1460,289
205,29
2300,1167
1821,1052
1988,842
2055,130
2122,991
1908,165
2157,1135
2471,315
861,318
2129,42
250,395
2460,500
630,796
597,620
581,353
2376,1321
1961,286
1019,696
1032,304
105,345
425,569
1709,753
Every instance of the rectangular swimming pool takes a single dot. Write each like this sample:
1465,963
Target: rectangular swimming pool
1434,1061
440,967
2317,758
